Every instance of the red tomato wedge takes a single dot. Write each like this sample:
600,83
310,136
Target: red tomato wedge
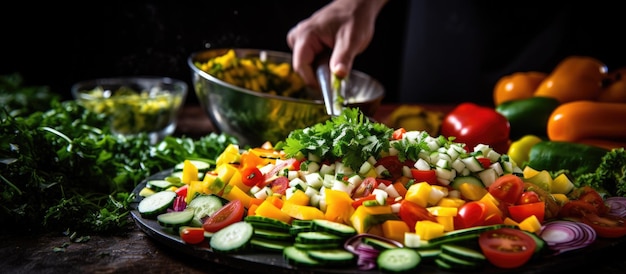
470,214
607,226
411,212
523,211
507,188
393,165
230,213
507,247
365,188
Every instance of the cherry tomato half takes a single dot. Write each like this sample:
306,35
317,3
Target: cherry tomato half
365,188
591,196
528,197
470,214
252,176
191,235
507,188
607,226
230,213
280,185
507,247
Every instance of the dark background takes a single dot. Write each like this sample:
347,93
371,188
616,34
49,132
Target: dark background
57,46
463,47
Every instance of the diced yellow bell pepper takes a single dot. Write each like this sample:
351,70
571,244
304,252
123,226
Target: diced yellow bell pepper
529,172
190,172
492,205
338,206
446,221
301,212
269,210
232,192
363,220
237,180
299,197
212,184
395,230
451,202
472,191
443,210
225,172
509,221
562,184
231,154
530,224
560,198
419,193
428,230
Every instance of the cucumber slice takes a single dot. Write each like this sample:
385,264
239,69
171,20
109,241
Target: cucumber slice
232,238
296,256
456,183
267,223
159,185
316,237
336,257
269,245
338,229
398,259
458,263
205,205
308,246
463,253
175,219
156,204
260,233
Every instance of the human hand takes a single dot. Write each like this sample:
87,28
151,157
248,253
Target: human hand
345,26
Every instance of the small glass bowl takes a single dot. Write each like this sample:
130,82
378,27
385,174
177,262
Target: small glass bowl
135,105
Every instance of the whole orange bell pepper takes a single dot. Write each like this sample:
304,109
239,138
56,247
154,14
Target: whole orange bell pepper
591,122
614,89
517,86
574,78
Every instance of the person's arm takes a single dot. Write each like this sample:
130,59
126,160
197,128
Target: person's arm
345,26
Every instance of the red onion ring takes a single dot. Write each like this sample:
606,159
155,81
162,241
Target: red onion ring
562,236
365,253
617,206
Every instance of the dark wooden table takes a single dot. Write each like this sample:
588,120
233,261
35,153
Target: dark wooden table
137,252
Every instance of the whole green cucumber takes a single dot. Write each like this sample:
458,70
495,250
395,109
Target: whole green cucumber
574,157
528,116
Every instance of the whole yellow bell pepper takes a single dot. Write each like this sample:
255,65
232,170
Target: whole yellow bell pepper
519,150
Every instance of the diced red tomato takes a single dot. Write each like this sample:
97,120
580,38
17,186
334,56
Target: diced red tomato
429,176
359,201
192,235
398,133
393,165
411,212
507,247
607,226
182,191
507,188
485,162
229,213
520,212
252,176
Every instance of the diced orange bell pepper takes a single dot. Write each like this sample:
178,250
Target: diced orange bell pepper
394,230
269,210
301,212
338,206
232,192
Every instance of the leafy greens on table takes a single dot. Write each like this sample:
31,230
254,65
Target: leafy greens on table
61,168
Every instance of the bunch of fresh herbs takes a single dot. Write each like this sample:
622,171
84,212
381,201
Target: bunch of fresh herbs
62,168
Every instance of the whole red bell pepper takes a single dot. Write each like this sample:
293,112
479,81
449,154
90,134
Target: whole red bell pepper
473,124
